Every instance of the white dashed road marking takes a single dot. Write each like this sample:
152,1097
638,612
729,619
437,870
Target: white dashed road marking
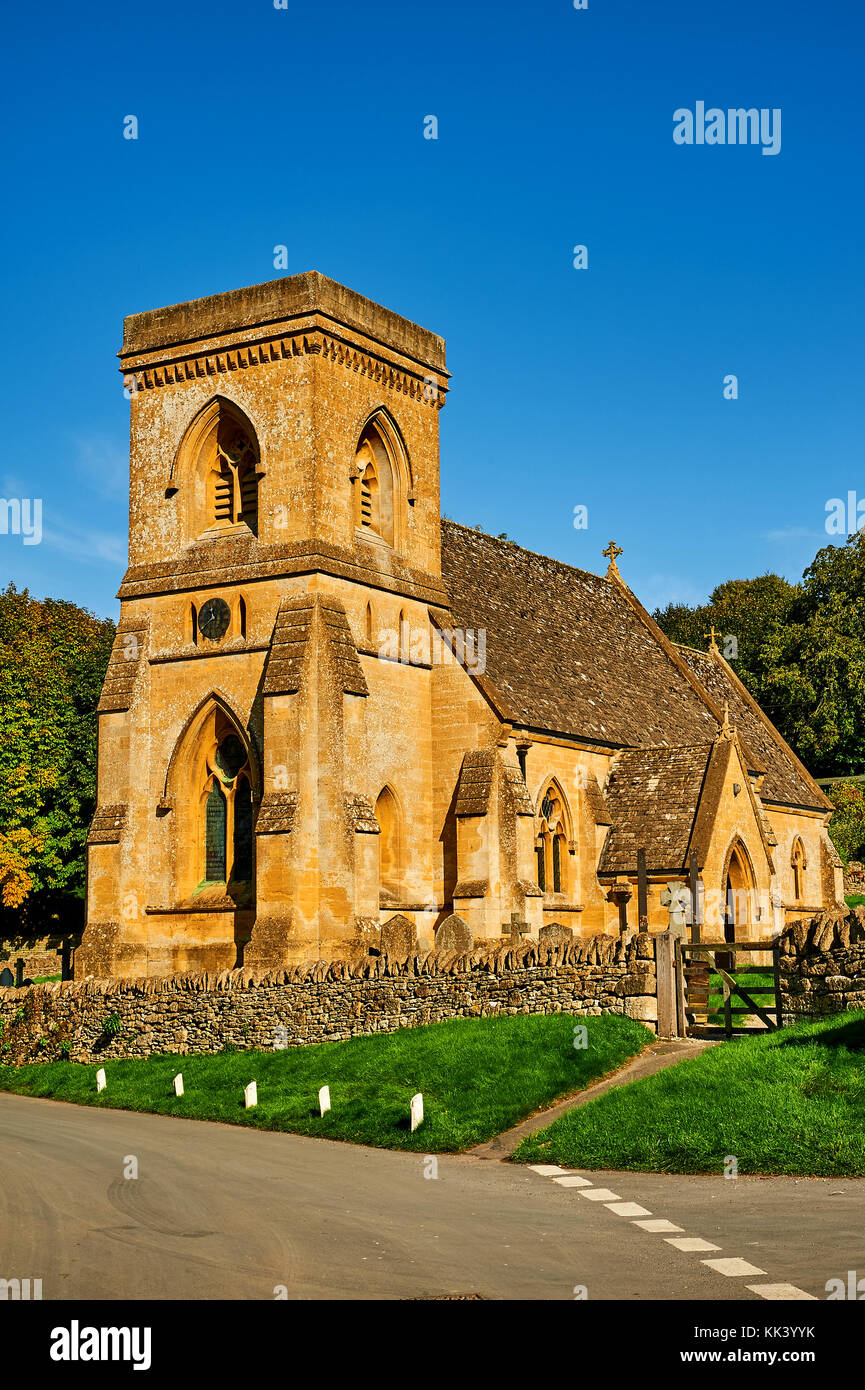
690,1243
787,1292
733,1268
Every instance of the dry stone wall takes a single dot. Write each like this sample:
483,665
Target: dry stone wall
325,1001
822,966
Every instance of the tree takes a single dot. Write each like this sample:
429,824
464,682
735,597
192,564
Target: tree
815,663
848,822
53,656
801,651
744,612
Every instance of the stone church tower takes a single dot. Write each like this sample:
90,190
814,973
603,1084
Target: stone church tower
326,708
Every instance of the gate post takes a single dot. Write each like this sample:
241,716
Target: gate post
666,966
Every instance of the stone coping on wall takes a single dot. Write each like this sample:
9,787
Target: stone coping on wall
595,950
824,931
325,1001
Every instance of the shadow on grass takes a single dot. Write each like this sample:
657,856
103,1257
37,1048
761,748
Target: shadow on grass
850,1035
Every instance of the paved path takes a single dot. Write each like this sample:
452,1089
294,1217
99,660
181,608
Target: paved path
222,1212
656,1057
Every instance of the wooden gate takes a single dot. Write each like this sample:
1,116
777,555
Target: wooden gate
695,963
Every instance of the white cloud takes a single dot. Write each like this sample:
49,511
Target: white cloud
794,533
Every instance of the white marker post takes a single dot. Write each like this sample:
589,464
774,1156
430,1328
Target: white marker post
101,1082
178,1084
416,1111
250,1095
324,1100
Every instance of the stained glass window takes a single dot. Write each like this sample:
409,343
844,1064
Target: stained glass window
230,756
243,832
215,836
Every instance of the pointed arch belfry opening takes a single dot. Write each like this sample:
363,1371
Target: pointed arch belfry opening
217,471
211,785
382,480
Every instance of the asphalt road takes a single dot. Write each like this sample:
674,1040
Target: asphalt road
218,1212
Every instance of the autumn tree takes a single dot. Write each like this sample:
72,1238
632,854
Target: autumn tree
53,656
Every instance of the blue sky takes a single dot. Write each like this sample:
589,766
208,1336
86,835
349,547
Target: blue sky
600,387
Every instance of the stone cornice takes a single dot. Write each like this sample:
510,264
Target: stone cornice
203,568
252,347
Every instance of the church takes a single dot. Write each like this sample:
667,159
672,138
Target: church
334,720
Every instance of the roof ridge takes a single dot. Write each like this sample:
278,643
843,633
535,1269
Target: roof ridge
500,541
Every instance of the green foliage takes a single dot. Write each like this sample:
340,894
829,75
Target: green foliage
801,651
53,657
478,1077
848,822
744,609
112,1026
783,1102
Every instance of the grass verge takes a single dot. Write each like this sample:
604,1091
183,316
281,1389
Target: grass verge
791,1101
716,995
478,1077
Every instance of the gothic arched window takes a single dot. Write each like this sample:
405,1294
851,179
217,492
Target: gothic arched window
214,835
798,864
389,846
228,839
234,477
379,464
217,472
551,842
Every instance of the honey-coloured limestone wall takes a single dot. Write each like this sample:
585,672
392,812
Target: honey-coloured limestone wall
324,1001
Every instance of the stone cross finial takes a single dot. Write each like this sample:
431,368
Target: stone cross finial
610,553
713,638
727,727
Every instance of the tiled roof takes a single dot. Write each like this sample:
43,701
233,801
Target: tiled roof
784,782
566,650
652,798
572,653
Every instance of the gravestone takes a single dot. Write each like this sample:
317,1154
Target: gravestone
101,1082
250,1095
7,979
555,932
416,1111
398,938
454,934
65,953
324,1100
178,1084
676,898
515,928
19,973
